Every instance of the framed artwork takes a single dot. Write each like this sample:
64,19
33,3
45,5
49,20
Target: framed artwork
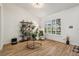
71,27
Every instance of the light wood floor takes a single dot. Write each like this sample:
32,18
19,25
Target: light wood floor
48,48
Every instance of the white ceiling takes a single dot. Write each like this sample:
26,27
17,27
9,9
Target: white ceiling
47,9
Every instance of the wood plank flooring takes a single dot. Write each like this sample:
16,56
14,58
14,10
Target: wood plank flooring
48,48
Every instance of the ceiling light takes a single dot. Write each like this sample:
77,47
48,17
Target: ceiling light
38,5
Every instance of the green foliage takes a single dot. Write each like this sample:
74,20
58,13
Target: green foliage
41,33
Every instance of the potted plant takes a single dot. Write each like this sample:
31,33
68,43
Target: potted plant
41,34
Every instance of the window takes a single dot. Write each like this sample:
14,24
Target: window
53,27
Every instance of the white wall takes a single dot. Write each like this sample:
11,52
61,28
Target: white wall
68,17
0,26
12,17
